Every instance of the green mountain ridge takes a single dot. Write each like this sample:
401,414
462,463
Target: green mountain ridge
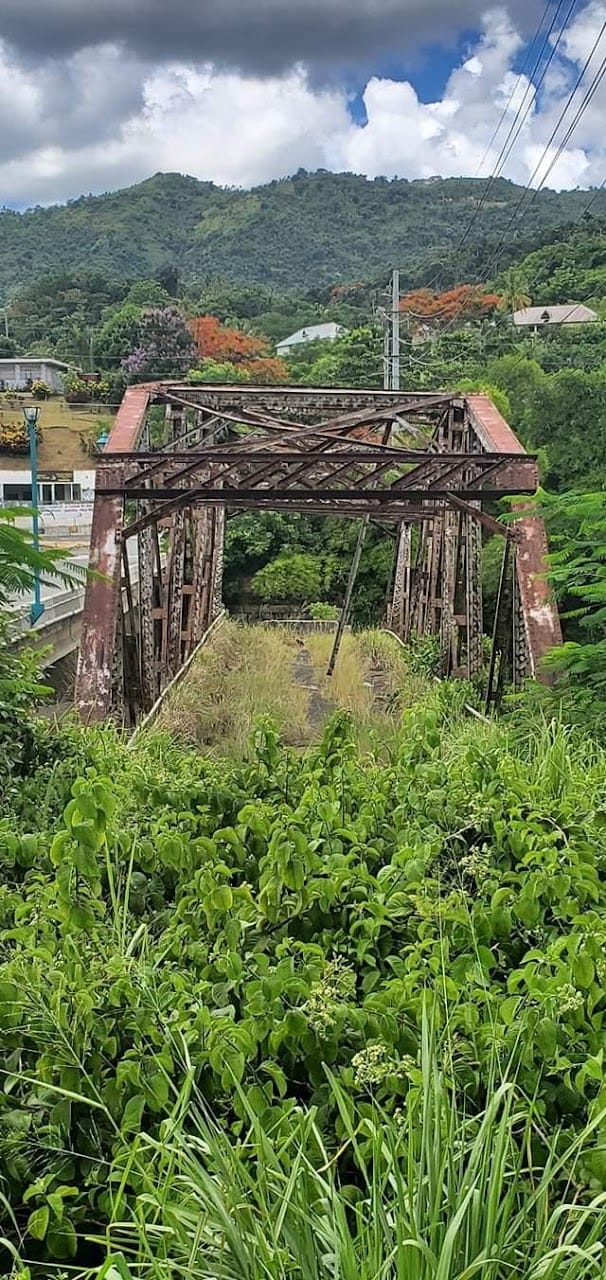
309,230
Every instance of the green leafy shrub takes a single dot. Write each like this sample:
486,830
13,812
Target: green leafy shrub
323,612
240,930
424,655
80,390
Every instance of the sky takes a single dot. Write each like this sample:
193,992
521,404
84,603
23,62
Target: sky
98,94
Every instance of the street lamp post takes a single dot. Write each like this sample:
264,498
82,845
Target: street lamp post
31,415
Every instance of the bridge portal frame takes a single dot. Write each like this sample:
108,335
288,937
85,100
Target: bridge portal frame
427,465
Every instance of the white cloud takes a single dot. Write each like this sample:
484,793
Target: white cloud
110,119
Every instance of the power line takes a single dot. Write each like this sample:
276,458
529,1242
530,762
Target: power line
524,355
519,77
578,117
519,119
515,128
589,94
564,142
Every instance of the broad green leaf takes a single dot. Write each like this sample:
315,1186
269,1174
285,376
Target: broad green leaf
222,898
546,1037
62,1240
37,1223
131,1116
583,970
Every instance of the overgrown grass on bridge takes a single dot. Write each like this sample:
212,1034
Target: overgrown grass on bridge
252,671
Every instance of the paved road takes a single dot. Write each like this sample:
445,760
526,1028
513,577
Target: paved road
53,591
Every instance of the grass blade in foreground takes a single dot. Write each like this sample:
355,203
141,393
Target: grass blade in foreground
430,1193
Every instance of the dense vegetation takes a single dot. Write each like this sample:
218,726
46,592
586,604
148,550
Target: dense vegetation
211,972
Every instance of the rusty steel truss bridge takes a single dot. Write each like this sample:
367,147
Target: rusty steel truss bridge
429,467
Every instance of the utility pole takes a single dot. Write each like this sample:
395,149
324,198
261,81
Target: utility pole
386,350
395,331
31,415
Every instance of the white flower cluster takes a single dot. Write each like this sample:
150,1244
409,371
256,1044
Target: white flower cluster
338,983
569,999
476,865
372,1065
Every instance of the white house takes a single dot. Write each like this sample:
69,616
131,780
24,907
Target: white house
18,372
312,333
537,318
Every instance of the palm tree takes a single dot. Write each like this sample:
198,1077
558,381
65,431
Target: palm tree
21,562
514,296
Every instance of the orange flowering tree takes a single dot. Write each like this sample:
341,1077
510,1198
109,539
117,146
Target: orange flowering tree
466,302
226,345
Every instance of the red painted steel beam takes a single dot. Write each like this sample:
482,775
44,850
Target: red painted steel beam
541,618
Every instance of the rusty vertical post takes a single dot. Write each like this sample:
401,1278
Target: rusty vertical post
94,677
174,604
147,638
172,645
401,580
473,596
131,661
94,693
435,550
146,646
200,570
218,560
499,626
520,662
447,590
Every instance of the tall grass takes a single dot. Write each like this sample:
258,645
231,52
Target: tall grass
248,672
245,673
430,1193
372,680
349,686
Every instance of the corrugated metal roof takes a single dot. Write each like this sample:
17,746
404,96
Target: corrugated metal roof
313,333
59,364
566,313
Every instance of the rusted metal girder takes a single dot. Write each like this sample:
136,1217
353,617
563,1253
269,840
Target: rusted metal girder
427,464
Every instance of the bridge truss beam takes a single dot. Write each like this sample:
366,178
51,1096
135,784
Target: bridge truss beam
182,456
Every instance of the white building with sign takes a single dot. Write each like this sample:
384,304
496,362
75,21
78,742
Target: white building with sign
65,498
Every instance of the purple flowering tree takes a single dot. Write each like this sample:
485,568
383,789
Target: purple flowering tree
165,347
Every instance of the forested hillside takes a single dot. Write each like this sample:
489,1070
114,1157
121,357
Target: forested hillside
311,229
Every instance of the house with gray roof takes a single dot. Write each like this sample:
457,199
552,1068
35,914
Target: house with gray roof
536,318
18,372
312,333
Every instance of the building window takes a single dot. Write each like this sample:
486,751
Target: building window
18,493
58,491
